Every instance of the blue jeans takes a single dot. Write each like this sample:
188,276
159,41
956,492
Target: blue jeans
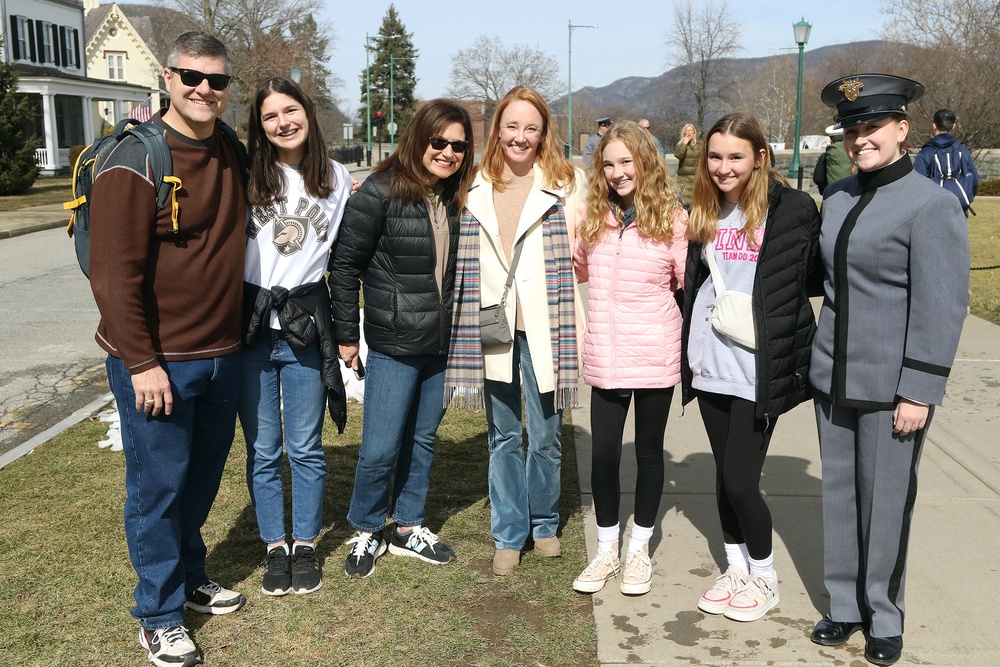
273,371
404,399
173,467
524,492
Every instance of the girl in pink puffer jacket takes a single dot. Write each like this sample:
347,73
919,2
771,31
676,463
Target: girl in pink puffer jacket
631,248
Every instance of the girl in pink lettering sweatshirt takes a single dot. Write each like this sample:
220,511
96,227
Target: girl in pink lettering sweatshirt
631,248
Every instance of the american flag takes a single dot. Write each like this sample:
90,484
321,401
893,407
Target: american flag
144,111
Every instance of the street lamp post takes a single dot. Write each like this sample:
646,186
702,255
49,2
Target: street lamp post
802,29
569,98
392,105
368,89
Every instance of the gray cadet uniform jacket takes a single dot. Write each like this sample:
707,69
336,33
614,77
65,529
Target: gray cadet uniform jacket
895,250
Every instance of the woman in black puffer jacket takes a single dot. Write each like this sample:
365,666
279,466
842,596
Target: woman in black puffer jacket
399,238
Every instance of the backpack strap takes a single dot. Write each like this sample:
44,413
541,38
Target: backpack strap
162,166
241,151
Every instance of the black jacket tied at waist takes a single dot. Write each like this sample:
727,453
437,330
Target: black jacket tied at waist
304,316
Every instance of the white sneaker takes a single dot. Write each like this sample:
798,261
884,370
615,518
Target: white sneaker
211,598
170,647
604,566
638,577
716,599
759,596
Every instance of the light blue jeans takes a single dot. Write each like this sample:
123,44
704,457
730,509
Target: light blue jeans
404,399
272,371
524,491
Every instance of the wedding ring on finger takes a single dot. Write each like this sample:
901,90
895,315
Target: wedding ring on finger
149,402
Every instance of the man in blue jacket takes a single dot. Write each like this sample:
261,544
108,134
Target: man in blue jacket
946,161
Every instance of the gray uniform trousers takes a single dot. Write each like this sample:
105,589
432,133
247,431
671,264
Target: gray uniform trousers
869,488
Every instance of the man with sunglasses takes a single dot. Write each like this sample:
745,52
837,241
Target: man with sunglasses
169,286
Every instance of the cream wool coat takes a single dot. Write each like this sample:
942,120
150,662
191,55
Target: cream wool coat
529,278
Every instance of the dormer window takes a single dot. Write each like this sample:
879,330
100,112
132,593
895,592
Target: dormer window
116,66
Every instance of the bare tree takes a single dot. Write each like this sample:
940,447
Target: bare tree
770,96
701,42
958,59
487,70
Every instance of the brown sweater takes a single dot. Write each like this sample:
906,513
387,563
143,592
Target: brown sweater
166,296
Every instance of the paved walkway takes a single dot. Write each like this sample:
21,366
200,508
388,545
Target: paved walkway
953,569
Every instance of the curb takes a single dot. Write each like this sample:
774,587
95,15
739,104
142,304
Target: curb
51,432
30,227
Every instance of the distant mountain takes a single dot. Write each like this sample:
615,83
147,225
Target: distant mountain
663,98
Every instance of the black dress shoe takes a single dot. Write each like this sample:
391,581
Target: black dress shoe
833,633
883,650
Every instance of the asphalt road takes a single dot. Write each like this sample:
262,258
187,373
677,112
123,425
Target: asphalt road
49,363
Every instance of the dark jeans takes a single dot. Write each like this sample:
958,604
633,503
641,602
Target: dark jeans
173,467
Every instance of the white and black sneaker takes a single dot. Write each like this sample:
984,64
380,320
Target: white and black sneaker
277,572
368,547
306,575
420,543
170,647
211,598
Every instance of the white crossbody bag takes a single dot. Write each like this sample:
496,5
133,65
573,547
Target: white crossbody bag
732,314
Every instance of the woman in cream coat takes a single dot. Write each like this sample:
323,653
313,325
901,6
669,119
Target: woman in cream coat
526,192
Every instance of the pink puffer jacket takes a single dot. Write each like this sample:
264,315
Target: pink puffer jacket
633,338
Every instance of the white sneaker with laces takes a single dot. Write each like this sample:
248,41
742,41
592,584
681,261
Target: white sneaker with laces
716,599
211,598
604,566
638,576
758,597
170,647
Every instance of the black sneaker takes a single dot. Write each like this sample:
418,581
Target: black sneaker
170,647
211,598
277,573
420,543
306,576
367,549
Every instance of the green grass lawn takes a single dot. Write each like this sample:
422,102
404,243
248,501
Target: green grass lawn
54,190
984,241
67,580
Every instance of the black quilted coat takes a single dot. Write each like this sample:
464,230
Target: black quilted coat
788,271
388,245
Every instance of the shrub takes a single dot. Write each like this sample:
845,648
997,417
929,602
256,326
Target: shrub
989,188
74,153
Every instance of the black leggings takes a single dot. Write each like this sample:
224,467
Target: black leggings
739,444
608,409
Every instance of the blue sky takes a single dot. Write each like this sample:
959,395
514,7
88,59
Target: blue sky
630,41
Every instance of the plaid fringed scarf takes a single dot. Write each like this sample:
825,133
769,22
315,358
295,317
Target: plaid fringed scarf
463,380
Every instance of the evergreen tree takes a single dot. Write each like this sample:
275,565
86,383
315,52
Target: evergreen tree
18,168
392,41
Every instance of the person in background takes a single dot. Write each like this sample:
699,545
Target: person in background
399,238
757,236
688,154
298,196
588,149
644,124
833,164
895,250
526,199
170,293
631,248
946,161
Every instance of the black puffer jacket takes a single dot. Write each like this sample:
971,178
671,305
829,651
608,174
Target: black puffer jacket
388,245
787,273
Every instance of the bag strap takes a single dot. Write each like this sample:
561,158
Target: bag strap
713,268
513,267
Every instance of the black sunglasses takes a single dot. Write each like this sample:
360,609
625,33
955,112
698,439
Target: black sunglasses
440,143
193,78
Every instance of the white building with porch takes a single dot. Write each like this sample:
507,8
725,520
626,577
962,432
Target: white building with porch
43,40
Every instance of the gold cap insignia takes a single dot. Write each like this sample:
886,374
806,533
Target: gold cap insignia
851,88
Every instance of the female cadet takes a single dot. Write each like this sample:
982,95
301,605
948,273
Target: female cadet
895,250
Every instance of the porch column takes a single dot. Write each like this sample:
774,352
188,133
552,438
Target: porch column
51,133
88,120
